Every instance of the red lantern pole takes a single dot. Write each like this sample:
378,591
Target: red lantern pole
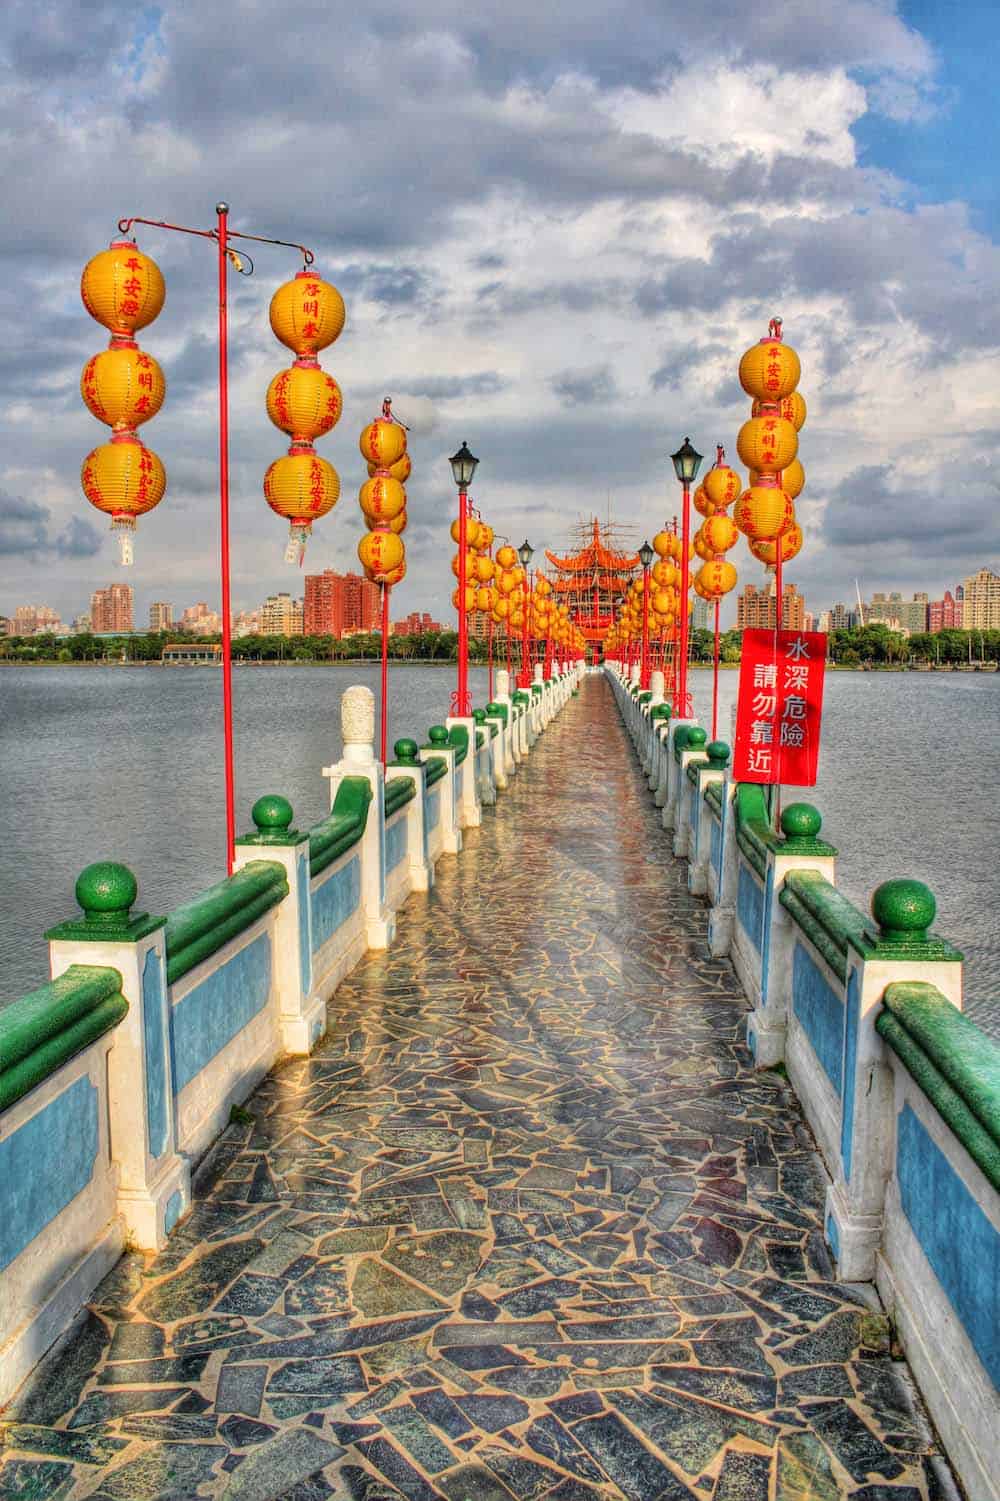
460,703
715,678
222,209
644,669
684,703
385,668
222,234
525,650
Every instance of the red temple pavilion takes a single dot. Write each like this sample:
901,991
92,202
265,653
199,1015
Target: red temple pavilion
593,581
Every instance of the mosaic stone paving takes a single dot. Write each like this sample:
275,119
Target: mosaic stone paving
527,1227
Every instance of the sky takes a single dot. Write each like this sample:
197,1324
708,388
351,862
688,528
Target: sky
556,229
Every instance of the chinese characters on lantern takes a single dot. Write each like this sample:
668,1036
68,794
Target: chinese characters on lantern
780,707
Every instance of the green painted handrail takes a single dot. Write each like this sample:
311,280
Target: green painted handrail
47,1027
497,711
956,1065
204,925
344,827
520,697
828,919
713,795
434,769
458,739
398,793
753,829
480,739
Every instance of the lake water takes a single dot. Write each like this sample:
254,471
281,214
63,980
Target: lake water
125,764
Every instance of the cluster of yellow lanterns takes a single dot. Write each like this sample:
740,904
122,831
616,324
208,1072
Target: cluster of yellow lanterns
123,386
718,532
307,314
664,597
768,445
481,570
382,498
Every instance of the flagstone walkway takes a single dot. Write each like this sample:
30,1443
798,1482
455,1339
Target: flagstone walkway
526,1226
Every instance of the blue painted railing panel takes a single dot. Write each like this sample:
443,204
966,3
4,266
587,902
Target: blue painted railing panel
305,920
45,1164
960,1243
432,812
717,849
226,1001
395,842
155,1032
750,906
851,1021
334,901
820,1010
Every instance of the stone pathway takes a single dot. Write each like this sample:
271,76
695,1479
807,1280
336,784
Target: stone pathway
526,1226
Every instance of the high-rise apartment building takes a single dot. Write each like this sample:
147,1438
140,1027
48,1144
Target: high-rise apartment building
200,620
415,624
756,609
281,615
841,618
161,615
111,609
340,603
945,614
31,620
700,615
981,602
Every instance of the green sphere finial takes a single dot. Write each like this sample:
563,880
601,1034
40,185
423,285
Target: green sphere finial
801,821
437,735
904,910
717,752
406,750
272,814
106,891
479,715
696,738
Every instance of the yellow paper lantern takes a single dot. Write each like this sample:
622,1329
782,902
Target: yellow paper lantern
470,564
123,478
770,370
702,504
301,487
722,485
307,313
484,568
717,577
383,442
382,498
543,587
381,552
123,387
793,479
790,542
401,470
506,556
304,401
397,524
484,599
485,536
393,577
501,607
763,512
767,444
721,533
700,546
506,582
792,408
122,288
661,544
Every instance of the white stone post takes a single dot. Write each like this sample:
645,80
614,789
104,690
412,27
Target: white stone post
301,1015
898,947
154,1180
512,736
439,749
407,764
675,778
470,812
501,748
722,916
357,723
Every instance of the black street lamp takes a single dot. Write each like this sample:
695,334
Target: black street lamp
686,462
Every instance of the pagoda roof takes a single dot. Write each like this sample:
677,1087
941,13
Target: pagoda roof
595,555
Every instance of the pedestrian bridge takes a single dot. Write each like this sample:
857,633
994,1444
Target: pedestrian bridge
513,1210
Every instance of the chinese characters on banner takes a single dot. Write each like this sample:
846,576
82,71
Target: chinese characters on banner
780,707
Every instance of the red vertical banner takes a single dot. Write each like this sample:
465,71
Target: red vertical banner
780,707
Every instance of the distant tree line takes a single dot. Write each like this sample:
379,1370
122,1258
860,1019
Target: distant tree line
862,646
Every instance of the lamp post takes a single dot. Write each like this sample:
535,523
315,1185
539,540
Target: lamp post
525,552
222,234
686,462
646,556
463,467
